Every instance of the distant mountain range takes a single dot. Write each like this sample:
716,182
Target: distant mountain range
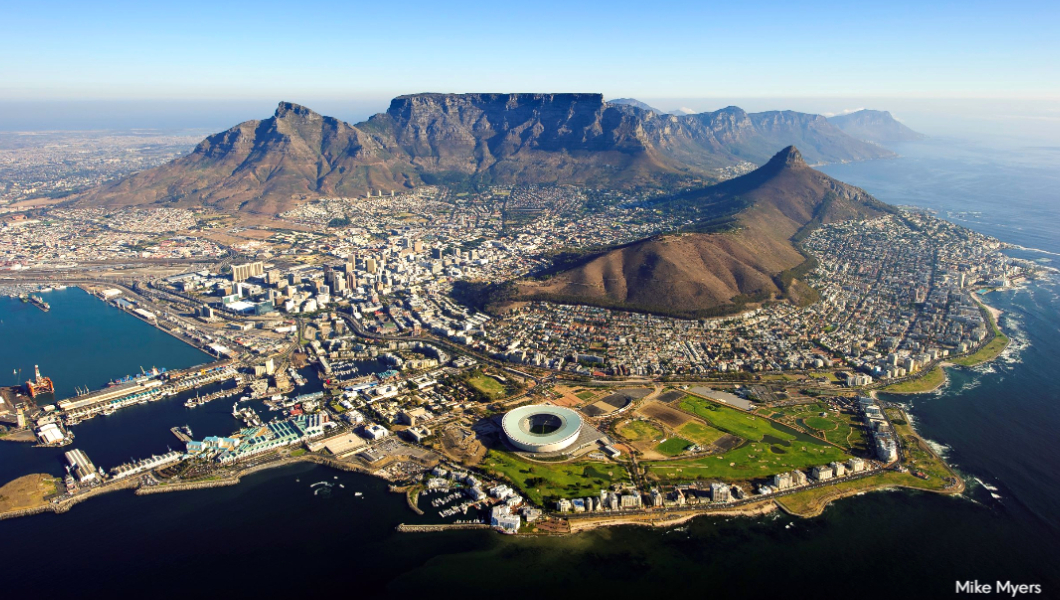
748,255
272,165
636,104
876,126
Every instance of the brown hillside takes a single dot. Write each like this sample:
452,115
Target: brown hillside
697,274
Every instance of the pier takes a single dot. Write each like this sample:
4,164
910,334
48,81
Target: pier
183,433
404,528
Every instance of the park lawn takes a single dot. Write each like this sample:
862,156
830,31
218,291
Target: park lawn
27,491
673,446
542,483
925,383
703,435
586,395
988,352
487,385
820,423
738,423
811,501
751,461
842,429
636,431
916,455
992,349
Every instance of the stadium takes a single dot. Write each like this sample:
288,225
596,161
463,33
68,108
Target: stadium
541,428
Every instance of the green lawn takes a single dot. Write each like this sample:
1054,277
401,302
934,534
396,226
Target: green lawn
820,423
986,353
673,446
487,385
750,461
917,457
838,428
991,349
700,434
769,448
586,395
636,431
738,423
925,383
546,482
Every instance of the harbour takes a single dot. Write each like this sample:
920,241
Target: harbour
985,420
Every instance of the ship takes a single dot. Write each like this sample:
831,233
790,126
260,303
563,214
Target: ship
40,303
142,377
40,385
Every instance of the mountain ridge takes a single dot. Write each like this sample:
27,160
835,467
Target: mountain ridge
271,165
875,126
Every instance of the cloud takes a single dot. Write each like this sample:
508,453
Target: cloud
845,111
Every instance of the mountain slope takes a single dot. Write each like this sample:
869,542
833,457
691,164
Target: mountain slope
877,126
263,166
636,104
272,165
702,274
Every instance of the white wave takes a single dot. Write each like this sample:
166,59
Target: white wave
985,485
995,496
940,449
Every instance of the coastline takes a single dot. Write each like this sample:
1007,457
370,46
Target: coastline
968,360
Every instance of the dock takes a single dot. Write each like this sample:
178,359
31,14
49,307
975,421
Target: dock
183,433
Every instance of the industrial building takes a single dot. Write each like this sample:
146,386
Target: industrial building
81,467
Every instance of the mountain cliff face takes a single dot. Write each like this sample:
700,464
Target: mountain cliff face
272,165
876,126
702,274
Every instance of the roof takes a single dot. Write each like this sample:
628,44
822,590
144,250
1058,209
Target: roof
516,427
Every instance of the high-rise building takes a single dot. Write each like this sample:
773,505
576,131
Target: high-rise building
370,265
244,272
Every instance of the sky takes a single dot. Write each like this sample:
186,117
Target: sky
355,56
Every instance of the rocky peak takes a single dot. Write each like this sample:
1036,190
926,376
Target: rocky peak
290,109
789,157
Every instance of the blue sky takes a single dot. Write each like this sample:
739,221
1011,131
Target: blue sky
320,49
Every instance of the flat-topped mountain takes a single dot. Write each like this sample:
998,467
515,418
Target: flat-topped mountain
272,165
877,126
753,256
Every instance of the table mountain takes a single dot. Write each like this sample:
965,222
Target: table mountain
272,165
751,257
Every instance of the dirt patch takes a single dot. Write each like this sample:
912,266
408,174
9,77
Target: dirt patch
27,491
664,414
672,396
727,442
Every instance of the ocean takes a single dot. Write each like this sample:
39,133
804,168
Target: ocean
271,536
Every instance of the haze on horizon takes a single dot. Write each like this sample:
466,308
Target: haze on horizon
209,65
